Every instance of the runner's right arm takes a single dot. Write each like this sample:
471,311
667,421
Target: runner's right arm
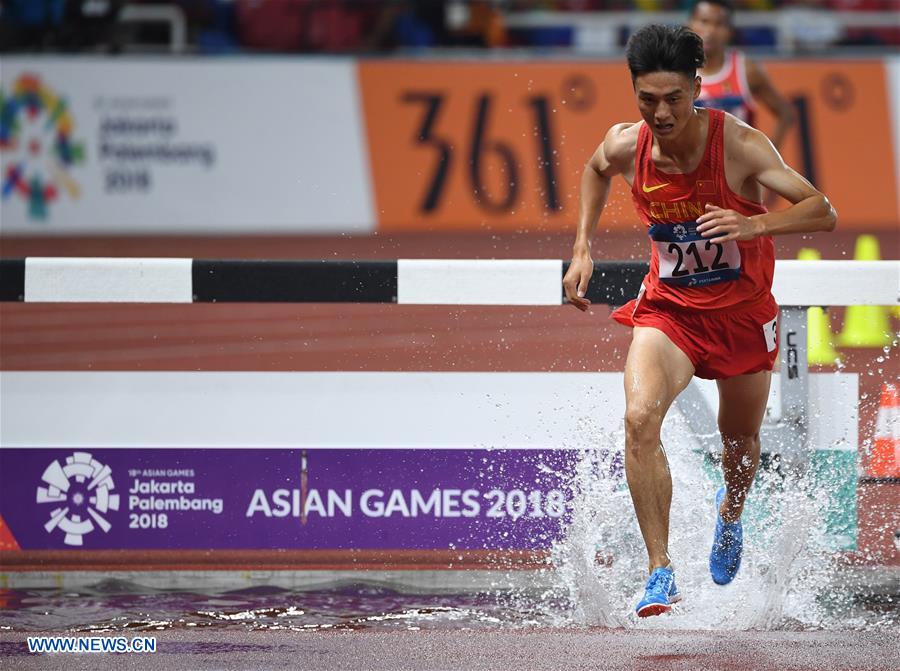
606,163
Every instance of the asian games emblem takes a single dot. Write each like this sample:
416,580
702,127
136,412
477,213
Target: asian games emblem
36,143
81,491
680,231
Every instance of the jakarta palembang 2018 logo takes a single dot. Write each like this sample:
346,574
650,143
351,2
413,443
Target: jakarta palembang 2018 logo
36,143
82,492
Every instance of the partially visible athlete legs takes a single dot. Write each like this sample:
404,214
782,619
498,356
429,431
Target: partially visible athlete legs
656,371
742,406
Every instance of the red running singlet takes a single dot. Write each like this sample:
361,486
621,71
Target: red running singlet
687,271
728,89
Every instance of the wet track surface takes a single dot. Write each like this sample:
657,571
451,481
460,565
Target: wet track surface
118,607
493,649
360,627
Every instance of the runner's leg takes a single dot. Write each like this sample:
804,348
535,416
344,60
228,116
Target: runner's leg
742,406
656,371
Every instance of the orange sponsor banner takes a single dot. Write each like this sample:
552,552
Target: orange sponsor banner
457,146
843,139
502,146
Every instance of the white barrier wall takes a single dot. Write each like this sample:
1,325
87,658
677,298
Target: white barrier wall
339,460
356,410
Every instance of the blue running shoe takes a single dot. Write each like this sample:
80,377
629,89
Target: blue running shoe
728,544
660,594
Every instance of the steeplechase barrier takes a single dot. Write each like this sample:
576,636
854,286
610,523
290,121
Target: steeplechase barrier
256,472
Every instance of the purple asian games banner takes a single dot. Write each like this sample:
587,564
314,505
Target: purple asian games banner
294,499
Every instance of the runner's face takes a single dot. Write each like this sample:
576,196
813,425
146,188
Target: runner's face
713,24
666,101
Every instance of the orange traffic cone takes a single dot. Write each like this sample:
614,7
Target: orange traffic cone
7,540
885,458
866,325
820,343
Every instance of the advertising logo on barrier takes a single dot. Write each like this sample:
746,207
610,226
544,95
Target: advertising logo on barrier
273,498
38,145
81,492
180,146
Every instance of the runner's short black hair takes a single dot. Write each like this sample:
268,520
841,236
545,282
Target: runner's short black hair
657,48
727,5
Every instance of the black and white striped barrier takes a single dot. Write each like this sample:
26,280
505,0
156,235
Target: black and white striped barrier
404,281
455,282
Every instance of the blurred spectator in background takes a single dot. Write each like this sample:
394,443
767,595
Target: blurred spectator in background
440,23
412,23
336,26
484,25
306,25
810,29
61,25
91,25
730,80
888,34
28,25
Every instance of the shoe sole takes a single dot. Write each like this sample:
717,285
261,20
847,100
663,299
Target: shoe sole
652,609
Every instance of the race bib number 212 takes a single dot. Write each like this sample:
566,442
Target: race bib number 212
686,258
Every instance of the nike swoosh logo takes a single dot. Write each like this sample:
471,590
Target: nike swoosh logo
648,189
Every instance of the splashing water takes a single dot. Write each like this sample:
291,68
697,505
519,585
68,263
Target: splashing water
787,578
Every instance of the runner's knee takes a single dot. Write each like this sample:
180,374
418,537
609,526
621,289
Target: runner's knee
642,425
740,442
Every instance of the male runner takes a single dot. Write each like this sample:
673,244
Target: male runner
706,306
731,81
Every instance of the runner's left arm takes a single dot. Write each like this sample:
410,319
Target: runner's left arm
809,212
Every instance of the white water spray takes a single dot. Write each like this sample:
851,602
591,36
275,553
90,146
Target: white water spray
785,564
